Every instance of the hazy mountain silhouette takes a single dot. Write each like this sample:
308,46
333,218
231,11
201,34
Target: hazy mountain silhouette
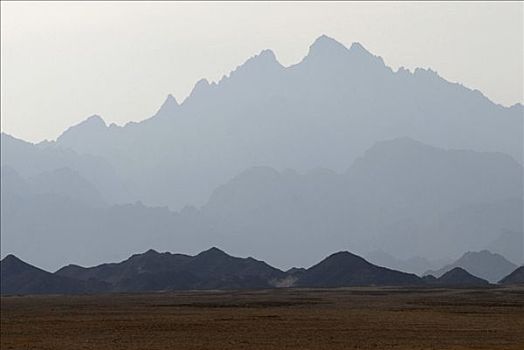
399,191
392,195
18,277
344,269
416,264
516,277
509,244
63,171
458,277
490,266
61,182
322,112
399,161
211,269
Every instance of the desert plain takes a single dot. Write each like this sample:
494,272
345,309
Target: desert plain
345,318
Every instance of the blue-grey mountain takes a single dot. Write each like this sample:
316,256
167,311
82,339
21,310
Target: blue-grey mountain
399,191
515,277
490,266
215,170
322,112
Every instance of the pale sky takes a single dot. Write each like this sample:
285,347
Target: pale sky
64,61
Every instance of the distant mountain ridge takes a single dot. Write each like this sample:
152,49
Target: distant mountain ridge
18,277
416,264
510,244
400,190
344,269
456,277
334,104
490,266
32,162
211,269
378,157
214,269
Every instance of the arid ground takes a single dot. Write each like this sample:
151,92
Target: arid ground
353,318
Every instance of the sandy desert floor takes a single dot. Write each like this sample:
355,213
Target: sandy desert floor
350,318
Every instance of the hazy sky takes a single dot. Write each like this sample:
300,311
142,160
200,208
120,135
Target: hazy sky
64,61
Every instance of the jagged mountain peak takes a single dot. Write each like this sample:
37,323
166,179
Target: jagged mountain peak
344,255
484,264
358,47
151,252
266,58
326,51
200,88
481,255
343,269
11,259
257,67
169,106
170,102
326,45
11,264
93,124
94,120
213,252
459,276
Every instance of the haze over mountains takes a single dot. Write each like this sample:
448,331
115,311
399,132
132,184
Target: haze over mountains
319,212
484,264
403,162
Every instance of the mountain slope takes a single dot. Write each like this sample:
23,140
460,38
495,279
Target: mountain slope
400,190
322,112
417,265
18,277
344,269
52,168
391,195
510,244
516,277
211,269
458,277
484,264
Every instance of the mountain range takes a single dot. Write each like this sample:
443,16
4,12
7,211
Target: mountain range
18,277
335,151
324,111
215,269
211,269
456,277
400,190
489,266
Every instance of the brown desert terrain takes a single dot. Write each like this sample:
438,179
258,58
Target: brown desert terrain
348,318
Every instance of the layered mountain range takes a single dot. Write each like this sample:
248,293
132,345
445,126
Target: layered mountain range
336,152
490,266
214,269
399,191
